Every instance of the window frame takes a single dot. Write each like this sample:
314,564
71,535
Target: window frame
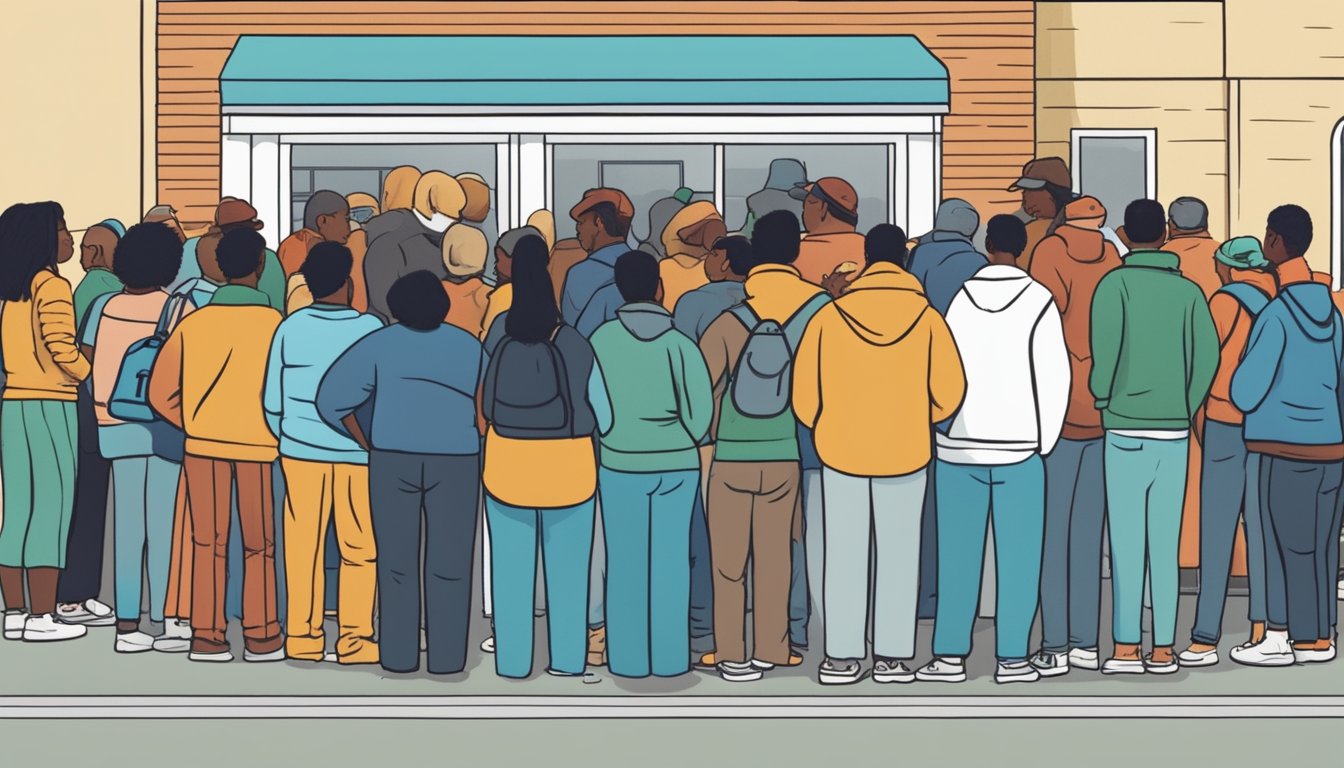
1149,136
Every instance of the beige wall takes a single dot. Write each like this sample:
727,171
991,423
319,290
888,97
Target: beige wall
72,126
1285,38
1129,40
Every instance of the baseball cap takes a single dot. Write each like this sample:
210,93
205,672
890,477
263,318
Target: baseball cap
231,211
830,189
624,208
1188,213
1037,173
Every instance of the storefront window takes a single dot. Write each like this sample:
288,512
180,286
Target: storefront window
646,173
864,166
1116,167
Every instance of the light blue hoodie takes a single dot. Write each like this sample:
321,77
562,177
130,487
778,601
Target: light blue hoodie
1288,381
304,347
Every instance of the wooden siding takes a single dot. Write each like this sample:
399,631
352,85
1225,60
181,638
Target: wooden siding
987,47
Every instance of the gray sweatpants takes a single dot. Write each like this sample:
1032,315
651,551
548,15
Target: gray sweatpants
861,511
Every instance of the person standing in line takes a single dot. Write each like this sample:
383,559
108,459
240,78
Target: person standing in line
540,472
882,329
409,243
199,266
1289,386
81,581
753,499
946,258
1047,191
207,381
652,399
1230,482
1070,262
326,472
830,218
38,417
1154,356
501,298
407,395
464,252
1011,340
326,219
688,239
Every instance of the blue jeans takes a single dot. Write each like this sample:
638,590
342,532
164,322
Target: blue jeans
1014,494
1226,488
144,489
647,517
1145,496
1075,513
1301,510
567,545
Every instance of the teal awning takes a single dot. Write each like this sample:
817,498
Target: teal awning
888,73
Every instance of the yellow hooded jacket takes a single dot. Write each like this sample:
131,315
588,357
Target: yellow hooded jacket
684,268
891,371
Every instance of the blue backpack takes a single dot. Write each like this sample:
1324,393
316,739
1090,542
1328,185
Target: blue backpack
130,393
1251,298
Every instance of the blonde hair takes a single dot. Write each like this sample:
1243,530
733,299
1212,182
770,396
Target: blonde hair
464,251
437,192
399,187
544,222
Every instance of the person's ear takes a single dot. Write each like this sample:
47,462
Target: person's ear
349,290
658,297
261,264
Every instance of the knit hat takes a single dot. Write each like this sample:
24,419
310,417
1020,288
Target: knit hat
1242,253
464,251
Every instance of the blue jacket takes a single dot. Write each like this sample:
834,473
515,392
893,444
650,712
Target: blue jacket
421,385
590,294
1288,381
942,264
305,345
697,309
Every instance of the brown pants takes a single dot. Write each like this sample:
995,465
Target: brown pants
178,604
209,488
752,511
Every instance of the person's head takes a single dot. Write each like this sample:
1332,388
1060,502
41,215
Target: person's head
399,187
637,277
363,207
477,206
886,243
1287,233
957,217
830,205
776,238
1005,239
719,262
1239,253
544,222
438,194
326,272
740,257
1145,224
464,252
167,216
693,230
147,257
33,237
1046,186
240,255
533,314
418,301
1187,214
99,242
328,214
602,218
508,244
235,213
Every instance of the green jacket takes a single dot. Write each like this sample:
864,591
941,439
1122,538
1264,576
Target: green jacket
1154,345
97,282
650,392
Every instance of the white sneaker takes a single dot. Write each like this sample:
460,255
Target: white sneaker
212,657
1049,664
739,671
14,621
176,637
46,629
1189,658
1017,672
1085,658
943,669
1115,666
133,642
90,613
177,629
258,658
488,644
892,671
1273,651
1313,655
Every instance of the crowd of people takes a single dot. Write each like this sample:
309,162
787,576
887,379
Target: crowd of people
786,424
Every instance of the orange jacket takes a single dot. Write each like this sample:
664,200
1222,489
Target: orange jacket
821,255
1234,330
294,250
467,302
1196,251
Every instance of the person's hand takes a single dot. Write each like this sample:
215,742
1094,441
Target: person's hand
835,284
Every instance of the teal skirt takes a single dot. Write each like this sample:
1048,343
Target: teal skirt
38,449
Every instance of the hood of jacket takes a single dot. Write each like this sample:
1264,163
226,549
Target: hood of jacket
387,222
691,214
660,213
1081,230
883,304
645,320
1310,306
996,287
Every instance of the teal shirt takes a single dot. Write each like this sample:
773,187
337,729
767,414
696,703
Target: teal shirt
1154,345
97,282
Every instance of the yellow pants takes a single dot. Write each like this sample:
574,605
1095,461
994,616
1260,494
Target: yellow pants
314,492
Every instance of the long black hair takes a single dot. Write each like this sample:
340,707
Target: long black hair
533,315
27,246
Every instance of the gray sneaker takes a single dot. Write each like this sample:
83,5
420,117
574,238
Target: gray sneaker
943,670
739,671
839,672
1016,672
1049,664
892,671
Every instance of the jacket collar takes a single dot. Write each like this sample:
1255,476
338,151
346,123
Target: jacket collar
1294,271
608,254
240,296
1153,259
765,268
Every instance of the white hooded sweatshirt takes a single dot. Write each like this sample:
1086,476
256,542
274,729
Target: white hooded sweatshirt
1011,341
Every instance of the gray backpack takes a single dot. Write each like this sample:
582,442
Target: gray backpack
762,378
527,393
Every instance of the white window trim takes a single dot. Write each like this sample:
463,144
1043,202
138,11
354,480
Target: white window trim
1149,135
1336,201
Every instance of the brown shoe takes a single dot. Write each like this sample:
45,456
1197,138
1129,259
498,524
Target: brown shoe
597,647
707,662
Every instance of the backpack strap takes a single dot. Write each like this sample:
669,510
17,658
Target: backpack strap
797,323
172,308
745,315
561,379
1250,297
